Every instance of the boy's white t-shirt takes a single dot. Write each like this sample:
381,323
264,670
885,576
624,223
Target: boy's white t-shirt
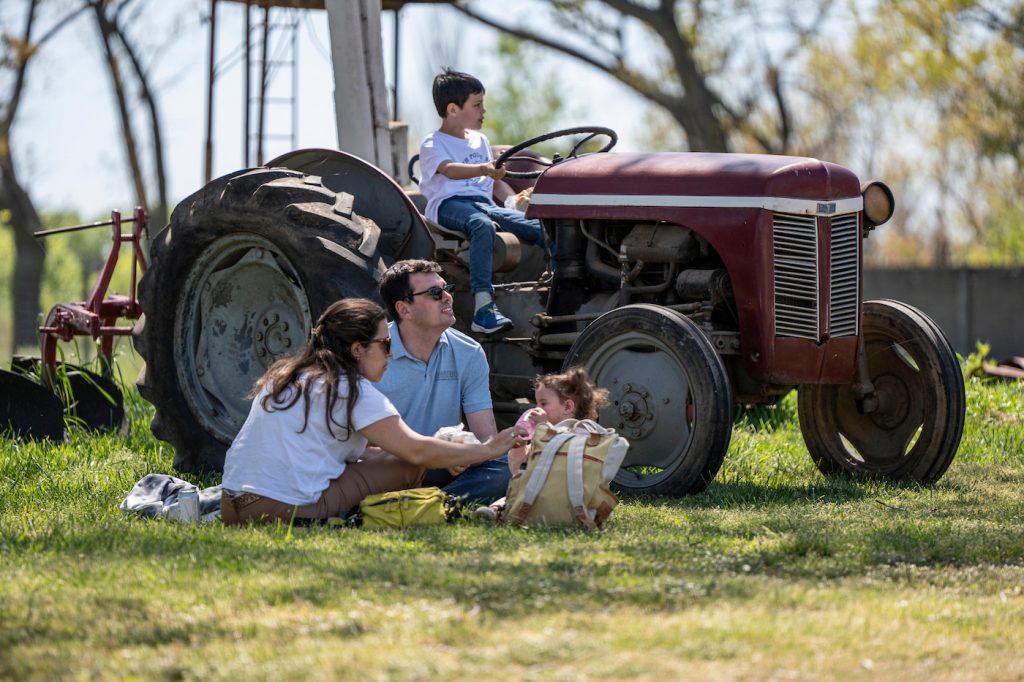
271,458
438,147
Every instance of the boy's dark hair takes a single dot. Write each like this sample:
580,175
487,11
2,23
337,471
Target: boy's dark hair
454,87
394,283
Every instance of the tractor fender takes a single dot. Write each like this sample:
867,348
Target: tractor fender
377,197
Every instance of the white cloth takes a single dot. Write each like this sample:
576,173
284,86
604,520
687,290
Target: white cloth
271,458
438,147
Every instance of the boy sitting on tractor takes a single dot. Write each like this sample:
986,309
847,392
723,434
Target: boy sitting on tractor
458,183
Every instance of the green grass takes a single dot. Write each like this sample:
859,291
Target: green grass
773,572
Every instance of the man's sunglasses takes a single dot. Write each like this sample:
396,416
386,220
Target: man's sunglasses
385,343
435,292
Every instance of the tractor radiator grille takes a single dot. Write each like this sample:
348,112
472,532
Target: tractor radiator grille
842,318
796,275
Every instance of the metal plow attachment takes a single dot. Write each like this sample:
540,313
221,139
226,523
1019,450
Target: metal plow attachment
40,397
30,410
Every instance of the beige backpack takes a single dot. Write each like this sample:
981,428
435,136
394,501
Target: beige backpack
566,479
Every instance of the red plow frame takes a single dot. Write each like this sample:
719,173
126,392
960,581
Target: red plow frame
97,317
34,404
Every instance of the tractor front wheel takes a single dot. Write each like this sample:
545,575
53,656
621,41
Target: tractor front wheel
910,428
237,279
669,395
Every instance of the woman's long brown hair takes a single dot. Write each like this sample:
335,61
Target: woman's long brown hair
327,355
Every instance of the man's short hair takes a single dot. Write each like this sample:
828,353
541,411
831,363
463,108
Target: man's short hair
454,87
394,283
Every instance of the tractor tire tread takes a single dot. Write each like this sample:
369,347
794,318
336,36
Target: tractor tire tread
336,256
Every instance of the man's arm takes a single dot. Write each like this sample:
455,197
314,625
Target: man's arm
482,424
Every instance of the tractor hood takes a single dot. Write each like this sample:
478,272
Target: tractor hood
689,179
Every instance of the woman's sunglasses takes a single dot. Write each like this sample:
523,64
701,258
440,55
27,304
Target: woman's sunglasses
385,343
434,292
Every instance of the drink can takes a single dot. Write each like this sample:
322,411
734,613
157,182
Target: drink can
186,508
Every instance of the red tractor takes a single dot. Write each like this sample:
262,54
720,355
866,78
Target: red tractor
687,283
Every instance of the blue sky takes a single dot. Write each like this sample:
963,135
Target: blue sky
67,139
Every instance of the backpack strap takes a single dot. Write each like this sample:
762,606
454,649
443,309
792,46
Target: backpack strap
616,454
591,426
574,479
616,450
539,476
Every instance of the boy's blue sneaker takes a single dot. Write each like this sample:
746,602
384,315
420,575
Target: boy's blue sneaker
489,320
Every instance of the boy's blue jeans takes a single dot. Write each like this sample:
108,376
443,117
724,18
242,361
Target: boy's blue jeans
475,218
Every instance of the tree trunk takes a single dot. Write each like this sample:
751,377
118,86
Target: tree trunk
28,256
28,253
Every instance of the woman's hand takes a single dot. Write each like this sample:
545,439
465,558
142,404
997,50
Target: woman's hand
395,436
501,442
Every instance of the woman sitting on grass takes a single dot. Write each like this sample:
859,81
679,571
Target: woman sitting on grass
302,452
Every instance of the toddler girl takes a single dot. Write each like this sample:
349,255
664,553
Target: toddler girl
569,395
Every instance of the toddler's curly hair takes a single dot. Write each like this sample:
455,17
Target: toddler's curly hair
575,385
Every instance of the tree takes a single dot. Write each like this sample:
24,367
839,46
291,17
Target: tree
108,34
939,81
14,198
711,70
117,45
518,107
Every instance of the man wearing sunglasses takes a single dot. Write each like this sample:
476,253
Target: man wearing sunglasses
437,374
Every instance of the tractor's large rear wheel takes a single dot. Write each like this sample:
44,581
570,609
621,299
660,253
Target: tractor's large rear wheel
669,396
914,428
237,278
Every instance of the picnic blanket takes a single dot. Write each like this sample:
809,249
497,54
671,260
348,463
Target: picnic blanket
158,495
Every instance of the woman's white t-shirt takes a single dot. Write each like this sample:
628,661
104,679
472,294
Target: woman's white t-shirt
271,458
438,147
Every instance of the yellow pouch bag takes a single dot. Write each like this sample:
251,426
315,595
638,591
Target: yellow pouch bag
405,508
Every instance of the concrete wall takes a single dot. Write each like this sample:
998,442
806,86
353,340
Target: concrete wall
969,305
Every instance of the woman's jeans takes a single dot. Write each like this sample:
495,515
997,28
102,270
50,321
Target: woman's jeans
376,472
475,217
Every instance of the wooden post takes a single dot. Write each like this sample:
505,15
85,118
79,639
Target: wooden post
360,89
208,166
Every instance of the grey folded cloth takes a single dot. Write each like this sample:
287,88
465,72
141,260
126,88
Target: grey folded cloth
157,495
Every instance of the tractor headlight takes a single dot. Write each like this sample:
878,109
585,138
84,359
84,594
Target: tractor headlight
878,203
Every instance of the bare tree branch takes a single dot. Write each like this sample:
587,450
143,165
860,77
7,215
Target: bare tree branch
24,51
107,33
648,16
533,38
146,92
694,109
56,28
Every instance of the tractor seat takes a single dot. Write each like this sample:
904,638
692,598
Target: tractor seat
508,250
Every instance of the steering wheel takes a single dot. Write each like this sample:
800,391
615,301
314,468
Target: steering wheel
590,131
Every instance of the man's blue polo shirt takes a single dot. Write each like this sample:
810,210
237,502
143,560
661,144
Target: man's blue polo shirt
436,393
